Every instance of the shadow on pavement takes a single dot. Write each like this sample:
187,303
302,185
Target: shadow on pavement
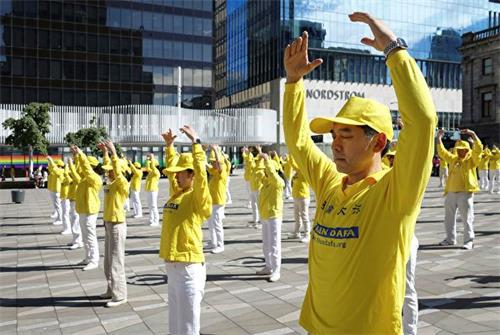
52,301
235,276
147,280
39,268
438,247
486,232
460,303
480,279
40,247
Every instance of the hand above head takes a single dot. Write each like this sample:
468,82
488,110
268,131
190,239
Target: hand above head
258,148
102,147
190,132
296,61
381,33
169,137
214,147
264,156
110,146
440,133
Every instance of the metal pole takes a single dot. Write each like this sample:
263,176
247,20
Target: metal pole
179,96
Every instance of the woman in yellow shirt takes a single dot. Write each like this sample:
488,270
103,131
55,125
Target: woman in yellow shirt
135,188
181,244
115,195
271,215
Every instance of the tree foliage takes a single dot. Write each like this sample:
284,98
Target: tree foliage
30,129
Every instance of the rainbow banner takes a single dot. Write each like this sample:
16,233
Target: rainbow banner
21,161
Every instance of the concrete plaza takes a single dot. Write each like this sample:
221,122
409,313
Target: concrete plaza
42,291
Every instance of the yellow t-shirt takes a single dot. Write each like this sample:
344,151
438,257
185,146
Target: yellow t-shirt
115,194
171,159
300,186
485,160
218,184
75,179
153,176
247,160
87,192
361,237
66,182
56,176
184,214
135,181
271,194
495,159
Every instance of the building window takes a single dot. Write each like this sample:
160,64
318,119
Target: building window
487,66
486,105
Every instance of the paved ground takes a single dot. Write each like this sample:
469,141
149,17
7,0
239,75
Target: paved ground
42,291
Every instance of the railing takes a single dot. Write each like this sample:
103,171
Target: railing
481,35
143,124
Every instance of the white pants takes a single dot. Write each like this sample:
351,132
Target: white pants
301,212
484,182
153,207
56,202
494,181
229,200
136,202
443,176
114,259
254,202
75,223
271,244
288,188
249,189
91,246
410,305
215,226
126,206
186,286
66,223
464,203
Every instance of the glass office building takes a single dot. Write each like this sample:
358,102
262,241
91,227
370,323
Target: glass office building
432,29
105,52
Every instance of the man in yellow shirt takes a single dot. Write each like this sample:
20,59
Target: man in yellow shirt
364,224
56,176
181,244
151,189
87,204
460,186
135,188
255,183
115,195
247,158
484,182
218,186
65,206
495,170
287,171
271,215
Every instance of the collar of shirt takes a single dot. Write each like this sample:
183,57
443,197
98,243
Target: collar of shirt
349,190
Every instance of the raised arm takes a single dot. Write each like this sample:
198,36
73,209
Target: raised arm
477,146
317,168
443,153
413,163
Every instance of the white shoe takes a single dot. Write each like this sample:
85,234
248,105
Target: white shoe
295,235
468,245
445,243
57,223
305,239
137,216
76,246
264,271
53,216
275,277
229,202
90,266
250,225
154,224
116,303
83,262
66,232
217,250
209,246
258,226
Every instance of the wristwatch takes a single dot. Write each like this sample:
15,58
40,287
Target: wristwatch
198,141
399,43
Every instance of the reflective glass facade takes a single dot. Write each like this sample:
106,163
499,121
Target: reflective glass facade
100,53
431,28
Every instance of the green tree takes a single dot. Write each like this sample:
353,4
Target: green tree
29,131
89,138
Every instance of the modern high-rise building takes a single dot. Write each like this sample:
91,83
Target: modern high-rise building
250,36
106,52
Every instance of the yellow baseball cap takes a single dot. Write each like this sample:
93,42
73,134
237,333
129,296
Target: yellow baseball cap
358,112
92,160
137,165
462,145
59,163
185,162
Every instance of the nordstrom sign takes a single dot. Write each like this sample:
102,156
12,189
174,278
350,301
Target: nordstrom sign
332,94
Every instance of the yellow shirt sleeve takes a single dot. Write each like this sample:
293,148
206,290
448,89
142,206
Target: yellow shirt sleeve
317,168
203,202
413,162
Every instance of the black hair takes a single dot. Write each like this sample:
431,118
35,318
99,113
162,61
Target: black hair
370,132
